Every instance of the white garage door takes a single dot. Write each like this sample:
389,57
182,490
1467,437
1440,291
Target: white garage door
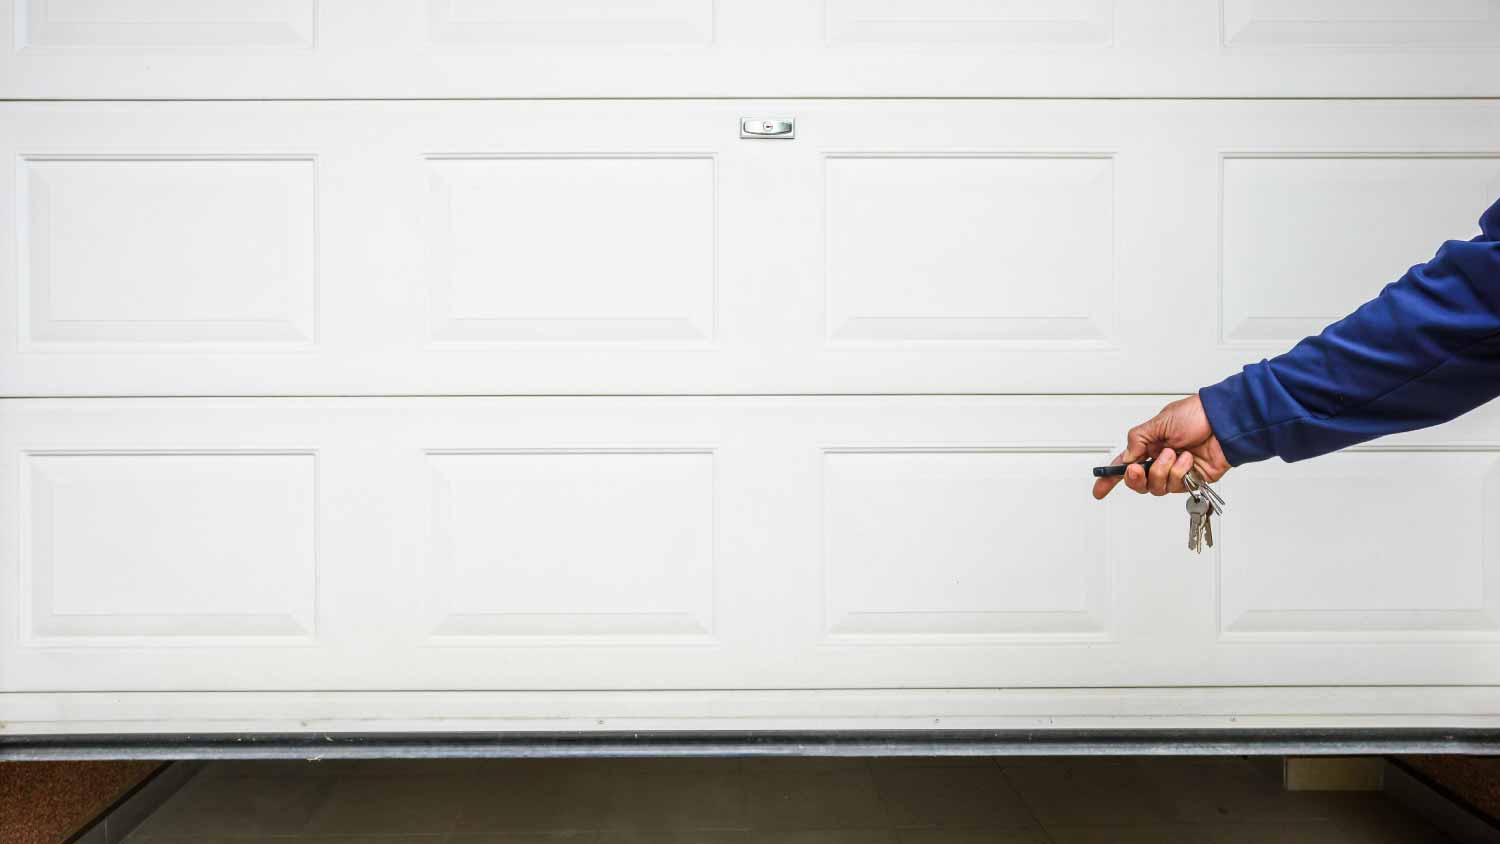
280,49
368,353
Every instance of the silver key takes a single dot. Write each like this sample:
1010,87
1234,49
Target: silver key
1200,509
1196,485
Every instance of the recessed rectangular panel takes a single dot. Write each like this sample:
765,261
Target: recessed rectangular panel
1397,23
931,546
572,249
604,22
166,23
957,247
1010,22
1296,249
607,547
1363,545
182,252
186,548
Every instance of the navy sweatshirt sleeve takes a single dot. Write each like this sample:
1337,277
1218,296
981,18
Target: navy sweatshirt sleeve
1424,351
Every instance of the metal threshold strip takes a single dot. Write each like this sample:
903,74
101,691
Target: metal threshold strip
1119,742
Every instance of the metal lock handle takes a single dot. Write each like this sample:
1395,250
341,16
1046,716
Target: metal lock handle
768,127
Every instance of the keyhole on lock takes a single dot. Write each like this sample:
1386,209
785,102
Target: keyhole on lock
764,127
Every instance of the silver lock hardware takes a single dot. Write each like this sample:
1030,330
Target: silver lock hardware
768,127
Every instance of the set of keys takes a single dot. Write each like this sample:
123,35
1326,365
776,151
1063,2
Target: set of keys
1203,503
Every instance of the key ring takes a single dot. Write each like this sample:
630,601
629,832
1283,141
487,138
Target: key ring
1195,484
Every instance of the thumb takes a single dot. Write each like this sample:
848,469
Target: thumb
1142,441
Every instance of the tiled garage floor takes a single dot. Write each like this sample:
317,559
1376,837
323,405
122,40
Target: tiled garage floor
799,801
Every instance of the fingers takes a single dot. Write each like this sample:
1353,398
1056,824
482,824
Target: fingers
1161,471
1138,440
1102,486
1134,477
1209,472
1179,470
1142,441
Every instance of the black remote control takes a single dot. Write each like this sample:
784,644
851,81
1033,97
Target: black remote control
1118,469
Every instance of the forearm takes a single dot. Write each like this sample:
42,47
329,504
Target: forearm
1426,350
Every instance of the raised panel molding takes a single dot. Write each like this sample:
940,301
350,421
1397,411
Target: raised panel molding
176,252
602,22
1298,560
572,248
1018,23
1295,252
950,247
217,24
571,547
933,546
169,548
1339,23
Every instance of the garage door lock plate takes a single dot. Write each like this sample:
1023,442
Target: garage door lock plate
768,127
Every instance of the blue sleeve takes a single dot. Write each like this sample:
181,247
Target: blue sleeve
1424,351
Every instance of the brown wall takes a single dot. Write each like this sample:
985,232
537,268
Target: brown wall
45,802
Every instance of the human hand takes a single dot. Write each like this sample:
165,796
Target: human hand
1179,438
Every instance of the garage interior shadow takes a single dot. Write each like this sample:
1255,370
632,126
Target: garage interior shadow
840,800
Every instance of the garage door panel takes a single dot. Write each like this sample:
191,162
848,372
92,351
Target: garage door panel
151,546
573,248
1289,268
943,247
1028,23
518,23
1292,567
169,549
916,551
631,247
176,252
563,543
506,561
423,546
657,543
280,49
165,24
1333,23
